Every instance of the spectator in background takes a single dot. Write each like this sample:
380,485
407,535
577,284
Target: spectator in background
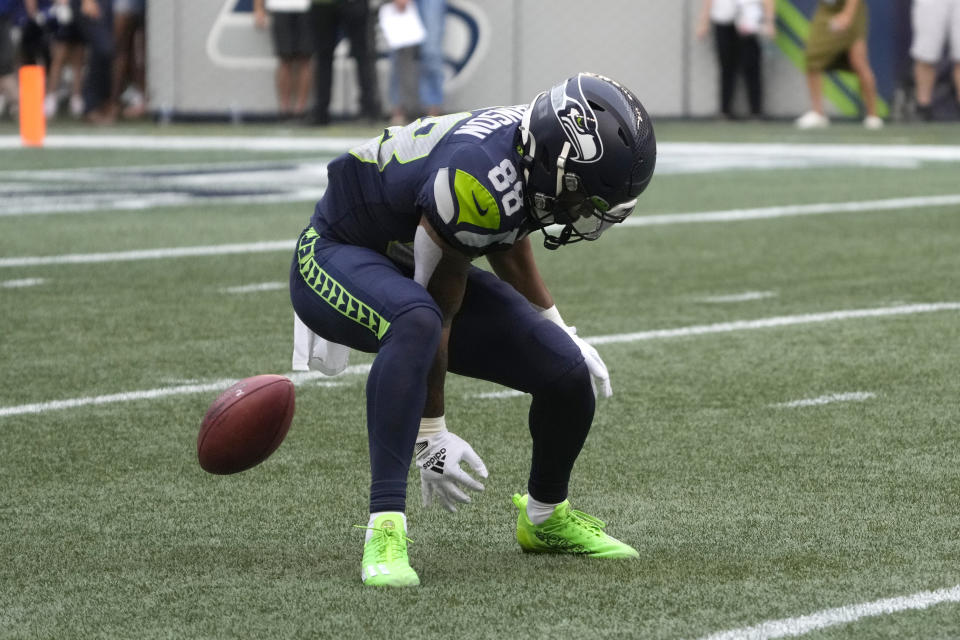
403,32
404,72
838,40
353,18
737,27
95,20
433,13
8,80
34,40
67,49
934,23
128,95
292,37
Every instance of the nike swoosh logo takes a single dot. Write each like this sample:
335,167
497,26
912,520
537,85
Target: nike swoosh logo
476,203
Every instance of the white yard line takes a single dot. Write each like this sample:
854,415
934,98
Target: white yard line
641,221
762,213
496,395
150,394
301,378
841,615
253,288
781,321
921,152
30,205
746,296
127,396
150,254
23,282
162,142
853,396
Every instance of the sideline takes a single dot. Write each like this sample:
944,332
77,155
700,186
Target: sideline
301,378
806,150
161,142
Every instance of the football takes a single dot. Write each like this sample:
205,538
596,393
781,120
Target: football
245,424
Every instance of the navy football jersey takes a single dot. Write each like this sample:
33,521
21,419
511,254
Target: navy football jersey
460,170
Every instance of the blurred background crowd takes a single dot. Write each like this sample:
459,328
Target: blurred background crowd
95,57
93,52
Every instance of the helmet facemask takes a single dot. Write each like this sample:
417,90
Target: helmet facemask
582,216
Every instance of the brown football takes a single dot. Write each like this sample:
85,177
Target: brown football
245,424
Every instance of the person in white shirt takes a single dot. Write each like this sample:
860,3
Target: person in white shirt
934,23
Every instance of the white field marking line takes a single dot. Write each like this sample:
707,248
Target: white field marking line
677,218
840,615
746,296
722,327
734,215
150,394
23,282
853,396
742,325
191,143
252,288
496,395
131,202
843,152
150,254
781,321
128,396
941,153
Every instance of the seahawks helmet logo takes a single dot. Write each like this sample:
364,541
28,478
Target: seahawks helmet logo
578,120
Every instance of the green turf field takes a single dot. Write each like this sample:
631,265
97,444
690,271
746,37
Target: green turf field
783,442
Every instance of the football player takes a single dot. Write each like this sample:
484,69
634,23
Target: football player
385,267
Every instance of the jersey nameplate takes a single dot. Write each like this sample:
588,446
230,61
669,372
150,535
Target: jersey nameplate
482,125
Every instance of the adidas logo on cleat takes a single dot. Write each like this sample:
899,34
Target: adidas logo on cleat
559,542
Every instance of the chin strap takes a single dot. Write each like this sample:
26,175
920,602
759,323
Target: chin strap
562,181
527,141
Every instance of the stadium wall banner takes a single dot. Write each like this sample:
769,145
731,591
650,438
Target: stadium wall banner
207,58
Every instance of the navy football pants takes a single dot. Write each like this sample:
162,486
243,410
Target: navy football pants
357,297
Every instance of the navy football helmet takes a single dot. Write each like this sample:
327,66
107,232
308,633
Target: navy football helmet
588,150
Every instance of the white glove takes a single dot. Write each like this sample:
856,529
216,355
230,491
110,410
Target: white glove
438,455
598,370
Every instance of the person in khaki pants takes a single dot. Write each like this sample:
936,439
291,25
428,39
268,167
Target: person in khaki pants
838,40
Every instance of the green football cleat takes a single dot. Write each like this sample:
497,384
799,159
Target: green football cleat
568,531
385,562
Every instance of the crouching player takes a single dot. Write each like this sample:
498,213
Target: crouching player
385,267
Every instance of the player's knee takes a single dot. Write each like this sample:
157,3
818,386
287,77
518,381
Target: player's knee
573,387
419,325
413,338
576,381
568,401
